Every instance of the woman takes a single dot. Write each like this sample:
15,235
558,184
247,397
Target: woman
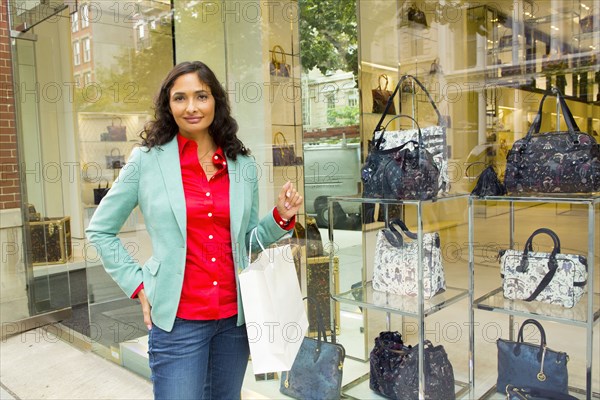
194,182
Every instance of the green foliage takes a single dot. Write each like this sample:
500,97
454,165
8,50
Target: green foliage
343,116
131,84
329,35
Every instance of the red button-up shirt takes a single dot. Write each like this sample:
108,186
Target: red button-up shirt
209,289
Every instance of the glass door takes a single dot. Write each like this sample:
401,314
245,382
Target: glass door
38,277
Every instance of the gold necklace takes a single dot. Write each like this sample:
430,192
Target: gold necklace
204,155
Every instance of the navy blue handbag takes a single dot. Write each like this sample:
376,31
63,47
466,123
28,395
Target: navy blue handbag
317,370
527,393
529,365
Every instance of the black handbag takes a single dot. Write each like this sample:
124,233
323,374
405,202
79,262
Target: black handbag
400,172
417,16
435,67
381,96
527,393
553,162
100,192
586,24
489,184
317,370
394,369
283,152
116,133
529,365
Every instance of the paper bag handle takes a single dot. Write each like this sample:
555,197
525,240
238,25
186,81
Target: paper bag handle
252,234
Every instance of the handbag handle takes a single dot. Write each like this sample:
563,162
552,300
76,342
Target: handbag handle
520,339
394,236
379,141
112,122
472,165
529,247
568,116
552,263
385,77
277,49
549,232
280,139
112,152
100,181
441,121
321,332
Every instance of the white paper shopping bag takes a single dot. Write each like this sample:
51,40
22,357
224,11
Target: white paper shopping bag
276,319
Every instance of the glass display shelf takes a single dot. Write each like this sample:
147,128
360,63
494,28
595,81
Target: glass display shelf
373,200
577,315
359,389
365,296
129,142
584,198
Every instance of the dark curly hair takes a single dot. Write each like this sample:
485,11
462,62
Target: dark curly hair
223,128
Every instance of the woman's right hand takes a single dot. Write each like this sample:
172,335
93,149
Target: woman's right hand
145,308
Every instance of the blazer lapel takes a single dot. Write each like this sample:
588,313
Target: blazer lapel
236,196
168,161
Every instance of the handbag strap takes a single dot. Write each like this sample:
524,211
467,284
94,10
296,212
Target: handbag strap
280,139
567,115
100,182
390,101
277,49
529,247
112,152
403,228
540,328
379,140
384,77
552,263
112,122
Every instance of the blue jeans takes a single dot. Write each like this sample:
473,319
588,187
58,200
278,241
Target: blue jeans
199,360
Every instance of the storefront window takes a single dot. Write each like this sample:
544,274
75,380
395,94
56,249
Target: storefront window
77,53
121,76
85,16
75,22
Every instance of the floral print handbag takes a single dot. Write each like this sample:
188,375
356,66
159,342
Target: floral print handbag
396,263
553,278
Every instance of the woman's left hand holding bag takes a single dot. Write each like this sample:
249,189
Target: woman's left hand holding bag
288,201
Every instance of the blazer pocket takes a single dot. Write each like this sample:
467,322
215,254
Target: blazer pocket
149,272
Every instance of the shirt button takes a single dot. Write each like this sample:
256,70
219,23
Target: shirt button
216,157
224,162
213,259
280,222
210,214
207,194
215,283
210,236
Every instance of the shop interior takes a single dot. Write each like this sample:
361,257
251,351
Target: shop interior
486,68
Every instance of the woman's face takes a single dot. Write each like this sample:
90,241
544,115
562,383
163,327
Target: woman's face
192,105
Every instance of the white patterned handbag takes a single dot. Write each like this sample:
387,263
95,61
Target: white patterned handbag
434,137
397,261
553,278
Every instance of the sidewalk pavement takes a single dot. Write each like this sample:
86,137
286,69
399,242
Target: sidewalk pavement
38,365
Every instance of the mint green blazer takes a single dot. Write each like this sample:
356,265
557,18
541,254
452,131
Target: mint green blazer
152,181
